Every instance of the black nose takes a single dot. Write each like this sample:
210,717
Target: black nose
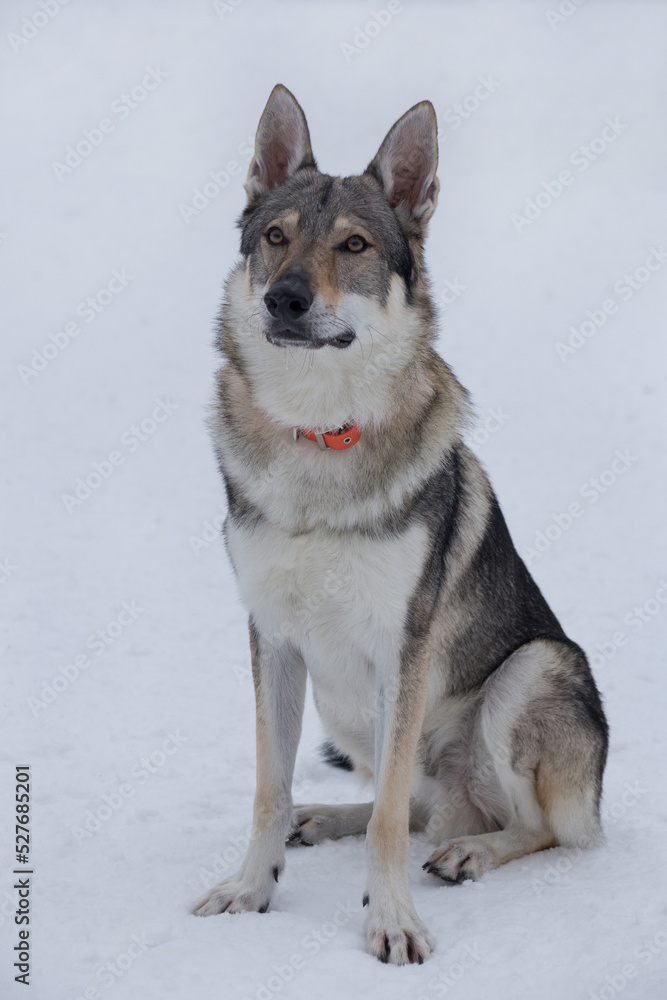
289,298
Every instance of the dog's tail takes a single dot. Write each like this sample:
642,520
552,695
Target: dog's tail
332,755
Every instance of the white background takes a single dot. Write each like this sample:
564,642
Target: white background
554,925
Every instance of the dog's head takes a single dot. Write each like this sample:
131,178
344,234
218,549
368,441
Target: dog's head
331,264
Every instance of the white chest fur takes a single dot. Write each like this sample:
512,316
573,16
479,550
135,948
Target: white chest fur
340,597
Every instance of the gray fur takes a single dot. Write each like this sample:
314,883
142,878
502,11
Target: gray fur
437,665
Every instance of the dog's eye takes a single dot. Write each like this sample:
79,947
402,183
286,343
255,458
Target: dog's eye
356,244
275,236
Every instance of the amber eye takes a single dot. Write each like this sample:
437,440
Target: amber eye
275,236
356,244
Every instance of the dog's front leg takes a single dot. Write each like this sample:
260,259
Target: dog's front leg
394,931
279,676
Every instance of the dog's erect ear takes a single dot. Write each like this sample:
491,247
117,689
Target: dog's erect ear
406,163
282,144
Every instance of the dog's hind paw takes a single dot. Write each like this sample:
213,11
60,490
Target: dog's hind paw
233,896
310,825
456,861
314,823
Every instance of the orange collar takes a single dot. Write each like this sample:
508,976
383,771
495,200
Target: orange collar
343,437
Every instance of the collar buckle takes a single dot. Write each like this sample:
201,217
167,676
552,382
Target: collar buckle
336,440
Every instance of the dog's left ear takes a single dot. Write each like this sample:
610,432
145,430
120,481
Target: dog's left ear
406,163
282,144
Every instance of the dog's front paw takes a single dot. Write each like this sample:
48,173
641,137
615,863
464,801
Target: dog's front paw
399,938
234,895
461,859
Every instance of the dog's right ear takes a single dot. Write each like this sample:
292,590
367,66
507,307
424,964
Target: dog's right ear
282,144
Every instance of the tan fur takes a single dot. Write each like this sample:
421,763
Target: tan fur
265,800
391,814
436,664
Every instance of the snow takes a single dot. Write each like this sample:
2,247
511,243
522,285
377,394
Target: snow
153,723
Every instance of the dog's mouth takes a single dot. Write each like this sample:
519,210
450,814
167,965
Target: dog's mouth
294,338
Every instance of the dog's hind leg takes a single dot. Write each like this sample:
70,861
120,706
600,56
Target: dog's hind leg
312,824
541,748
464,858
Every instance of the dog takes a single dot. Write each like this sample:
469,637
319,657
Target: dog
371,552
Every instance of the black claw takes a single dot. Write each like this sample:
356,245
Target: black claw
426,865
276,872
296,840
365,899
264,908
433,870
421,960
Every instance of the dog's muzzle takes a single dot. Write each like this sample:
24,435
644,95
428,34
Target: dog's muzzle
288,302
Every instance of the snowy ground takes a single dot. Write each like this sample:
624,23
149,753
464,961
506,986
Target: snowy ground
127,686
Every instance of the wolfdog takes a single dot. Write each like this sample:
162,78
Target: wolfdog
372,554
